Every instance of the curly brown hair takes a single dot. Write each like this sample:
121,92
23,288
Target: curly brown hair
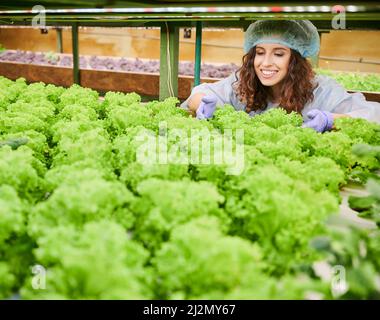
297,88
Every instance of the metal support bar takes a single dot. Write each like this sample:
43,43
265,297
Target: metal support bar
169,49
324,25
74,30
360,60
315,59
198,54
59,40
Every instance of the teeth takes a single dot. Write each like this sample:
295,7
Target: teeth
268,72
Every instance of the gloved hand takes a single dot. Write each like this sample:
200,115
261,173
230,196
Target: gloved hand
318,120
207,107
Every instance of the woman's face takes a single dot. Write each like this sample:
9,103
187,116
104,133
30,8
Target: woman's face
271,63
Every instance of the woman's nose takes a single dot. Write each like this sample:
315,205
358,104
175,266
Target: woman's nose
267,60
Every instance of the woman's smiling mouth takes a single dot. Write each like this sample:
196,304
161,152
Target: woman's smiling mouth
268,73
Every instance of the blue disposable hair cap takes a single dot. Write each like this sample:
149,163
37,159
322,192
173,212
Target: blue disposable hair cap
300,35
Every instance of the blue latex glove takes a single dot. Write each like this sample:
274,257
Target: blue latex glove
207,107
318,120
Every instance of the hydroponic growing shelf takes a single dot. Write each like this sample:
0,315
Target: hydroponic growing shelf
171,15
95,221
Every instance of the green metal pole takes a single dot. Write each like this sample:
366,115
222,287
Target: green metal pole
315,59
169,49
74,30
59,40
198,53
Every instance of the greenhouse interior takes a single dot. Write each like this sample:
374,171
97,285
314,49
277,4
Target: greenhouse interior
193,150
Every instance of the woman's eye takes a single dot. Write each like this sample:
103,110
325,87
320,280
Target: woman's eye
259,53
279,54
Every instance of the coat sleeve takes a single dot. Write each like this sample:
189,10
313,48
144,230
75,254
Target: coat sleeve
222,89
331,96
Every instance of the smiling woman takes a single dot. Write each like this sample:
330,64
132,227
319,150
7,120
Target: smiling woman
271,65
277,69
275,72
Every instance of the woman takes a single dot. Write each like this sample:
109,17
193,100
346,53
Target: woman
275,72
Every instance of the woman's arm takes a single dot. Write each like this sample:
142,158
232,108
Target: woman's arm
194,102
221,89
331,96
339,115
